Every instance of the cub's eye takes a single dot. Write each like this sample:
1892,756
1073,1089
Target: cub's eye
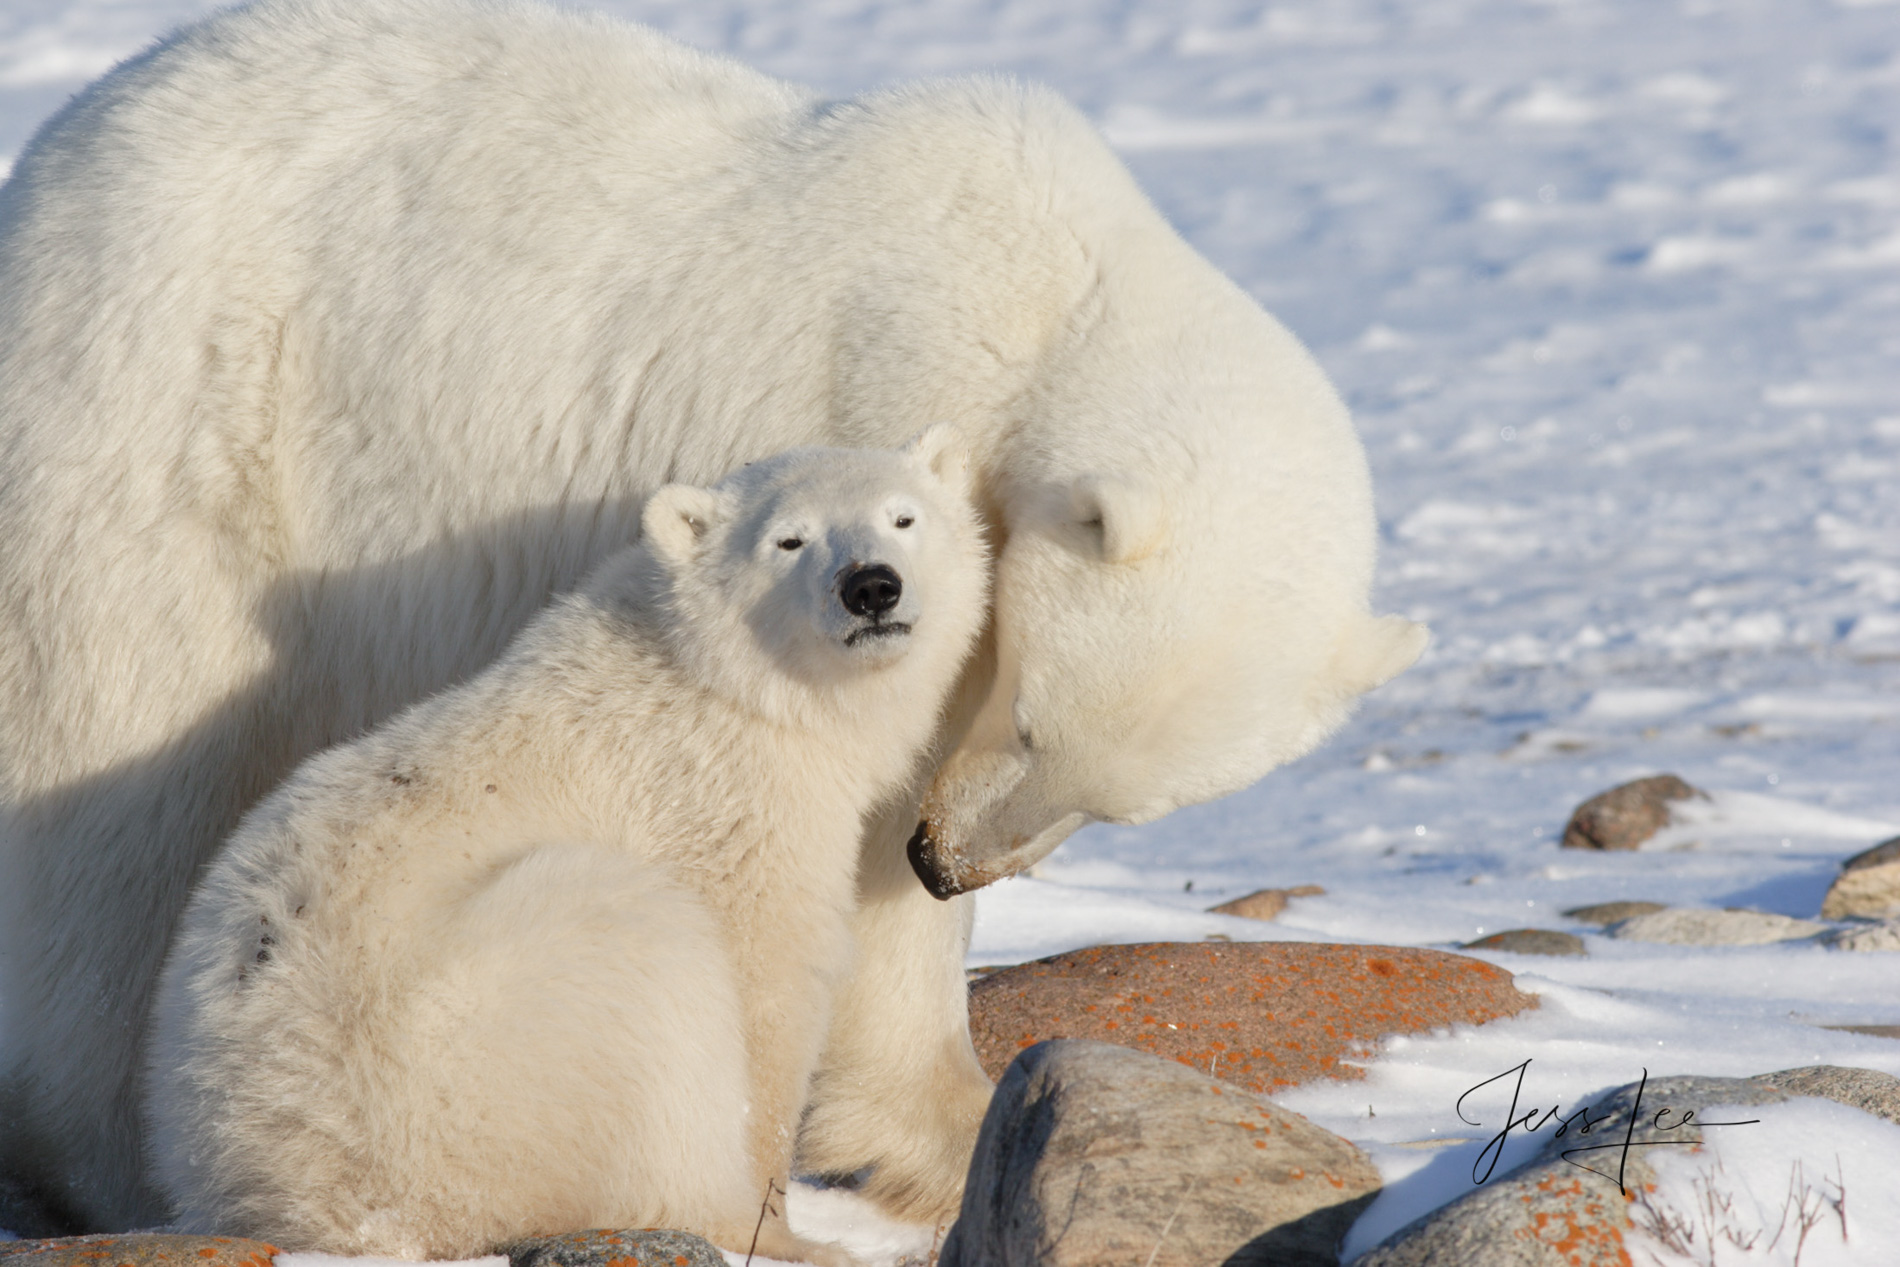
905,521
790,543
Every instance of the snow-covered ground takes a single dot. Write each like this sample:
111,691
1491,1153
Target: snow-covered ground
1613,287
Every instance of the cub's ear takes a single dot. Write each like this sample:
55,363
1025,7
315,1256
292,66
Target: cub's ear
1377,650
675,520
1130,515
942,449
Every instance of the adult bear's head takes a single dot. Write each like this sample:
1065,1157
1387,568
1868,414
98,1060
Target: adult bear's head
1186,539
1180,507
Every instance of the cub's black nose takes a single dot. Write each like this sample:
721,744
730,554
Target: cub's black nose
870,591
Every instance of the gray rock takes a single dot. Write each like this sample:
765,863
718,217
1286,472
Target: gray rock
644,1247
1551,1212
1884,935
1887,851
1694,926
1610,912
1865,1089
1530,941
1265,903
1102,1156
1625,816
1868,886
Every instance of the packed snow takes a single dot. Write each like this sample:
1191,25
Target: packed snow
1613,287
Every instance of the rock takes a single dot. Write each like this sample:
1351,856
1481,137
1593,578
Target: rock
1868,886
1887,851
1258,1014
138,1249
1265,904
1624,817
1882,936
1610,912
1871,1031
1694,926
1549,1212
1530,941
1863,1089
1099,1156
646,1247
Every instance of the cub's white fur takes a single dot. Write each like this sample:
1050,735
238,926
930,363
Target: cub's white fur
557,947
335,335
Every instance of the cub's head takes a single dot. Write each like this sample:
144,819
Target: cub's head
821,574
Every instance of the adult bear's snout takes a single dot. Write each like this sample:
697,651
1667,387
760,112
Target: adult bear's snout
870,591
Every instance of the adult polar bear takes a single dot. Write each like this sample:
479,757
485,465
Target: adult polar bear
335,336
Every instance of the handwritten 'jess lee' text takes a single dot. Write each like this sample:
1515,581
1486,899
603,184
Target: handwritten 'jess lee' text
1535,1119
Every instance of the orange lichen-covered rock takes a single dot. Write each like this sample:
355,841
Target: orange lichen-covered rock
1262,1015
138,1249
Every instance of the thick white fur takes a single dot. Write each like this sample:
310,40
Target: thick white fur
335,335
557,947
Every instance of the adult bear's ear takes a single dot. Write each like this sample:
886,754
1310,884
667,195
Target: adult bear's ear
1130,515
941,449
675,520
1377,650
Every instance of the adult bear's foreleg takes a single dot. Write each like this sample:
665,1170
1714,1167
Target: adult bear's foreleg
899,1090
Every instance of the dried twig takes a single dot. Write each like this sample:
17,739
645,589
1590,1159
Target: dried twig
1664,1223
1719,1222
1807,1209
771,1188
1698,1234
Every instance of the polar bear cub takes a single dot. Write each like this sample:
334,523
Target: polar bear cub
556,948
